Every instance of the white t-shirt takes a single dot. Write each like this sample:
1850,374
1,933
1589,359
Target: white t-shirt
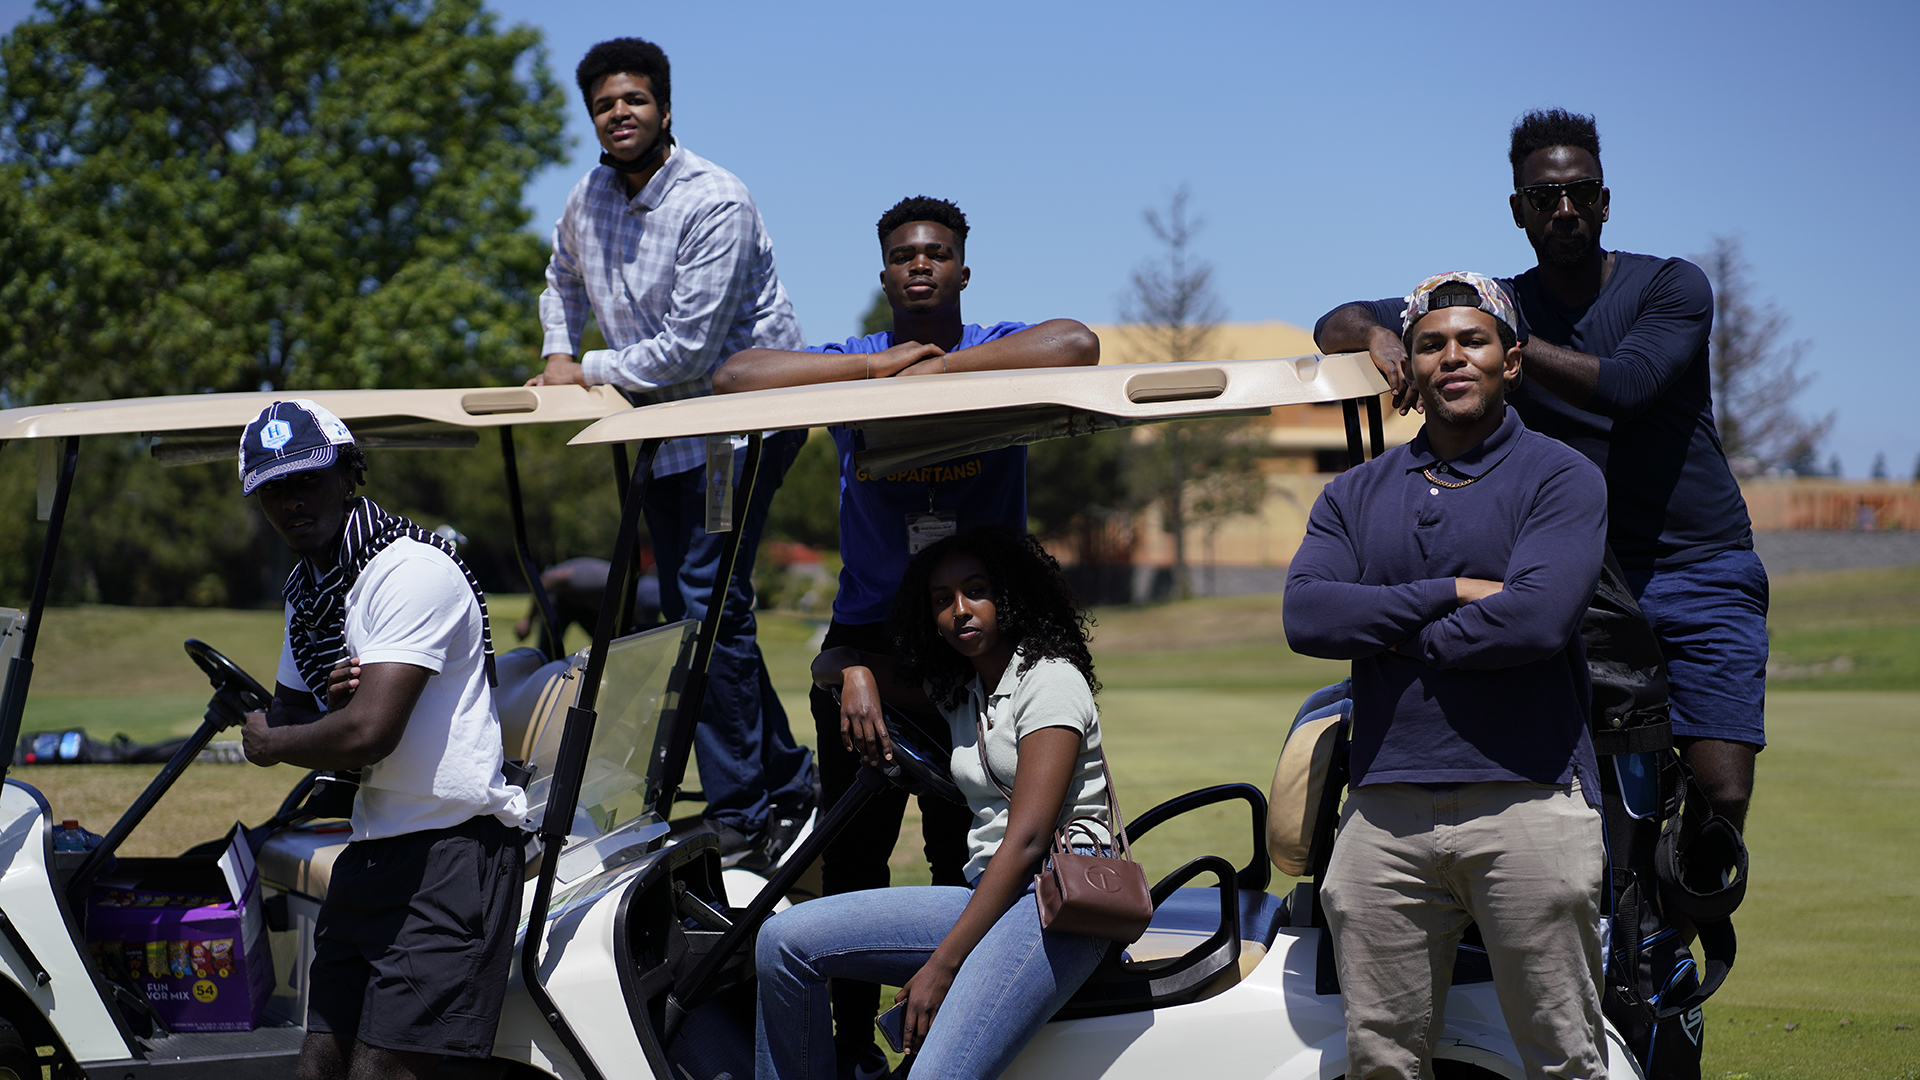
1051,693
412,605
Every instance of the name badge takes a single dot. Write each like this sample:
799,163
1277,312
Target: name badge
719,483
929,528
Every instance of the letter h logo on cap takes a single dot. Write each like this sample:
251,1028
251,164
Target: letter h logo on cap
289,437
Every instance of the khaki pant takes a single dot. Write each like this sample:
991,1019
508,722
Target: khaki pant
1414,863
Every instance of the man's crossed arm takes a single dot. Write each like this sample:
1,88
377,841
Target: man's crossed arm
370,708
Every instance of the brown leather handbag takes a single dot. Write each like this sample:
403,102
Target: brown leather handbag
1091,895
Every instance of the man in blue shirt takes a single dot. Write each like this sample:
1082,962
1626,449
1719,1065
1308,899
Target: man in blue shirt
1617,368
1453,572
885,519
668,252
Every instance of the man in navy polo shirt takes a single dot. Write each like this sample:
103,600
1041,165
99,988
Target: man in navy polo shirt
1616,354
885,519
1453,572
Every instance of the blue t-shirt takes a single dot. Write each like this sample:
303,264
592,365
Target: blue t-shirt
979,489
1672,500
1495,690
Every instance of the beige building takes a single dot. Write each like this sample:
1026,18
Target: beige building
1306,445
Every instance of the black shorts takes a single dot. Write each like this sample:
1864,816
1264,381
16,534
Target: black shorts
415,939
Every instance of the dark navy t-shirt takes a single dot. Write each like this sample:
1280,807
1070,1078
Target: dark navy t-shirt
988,488
1495,690
1672,500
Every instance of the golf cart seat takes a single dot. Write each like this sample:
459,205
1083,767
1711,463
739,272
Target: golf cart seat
1204,940
532,698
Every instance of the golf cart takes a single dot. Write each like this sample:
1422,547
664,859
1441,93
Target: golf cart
636,952
1230,980
103,1011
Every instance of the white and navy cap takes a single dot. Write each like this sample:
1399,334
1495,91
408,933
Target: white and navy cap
289,437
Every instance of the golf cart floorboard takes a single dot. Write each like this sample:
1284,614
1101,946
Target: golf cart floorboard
238,1055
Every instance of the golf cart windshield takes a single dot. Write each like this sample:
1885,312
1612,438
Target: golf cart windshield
638,692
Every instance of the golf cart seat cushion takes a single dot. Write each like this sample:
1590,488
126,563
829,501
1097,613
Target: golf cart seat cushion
300,859
1298,796
531,695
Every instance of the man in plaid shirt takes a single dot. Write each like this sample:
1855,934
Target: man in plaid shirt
669,251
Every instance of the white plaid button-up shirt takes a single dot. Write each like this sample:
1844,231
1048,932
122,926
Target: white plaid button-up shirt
679,277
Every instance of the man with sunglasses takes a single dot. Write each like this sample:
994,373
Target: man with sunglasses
1616,366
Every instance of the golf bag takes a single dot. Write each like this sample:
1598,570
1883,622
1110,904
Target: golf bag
1670,859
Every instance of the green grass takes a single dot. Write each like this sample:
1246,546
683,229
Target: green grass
1846,630
1197,694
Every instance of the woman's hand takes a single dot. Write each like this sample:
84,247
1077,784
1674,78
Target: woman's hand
863,729
342,681
923,995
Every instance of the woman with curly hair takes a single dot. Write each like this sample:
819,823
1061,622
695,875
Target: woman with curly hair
986,632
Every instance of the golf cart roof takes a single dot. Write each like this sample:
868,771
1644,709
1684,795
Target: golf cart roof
929,418
472,407
206,427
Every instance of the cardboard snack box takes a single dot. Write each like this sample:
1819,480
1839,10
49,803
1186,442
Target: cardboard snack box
190,933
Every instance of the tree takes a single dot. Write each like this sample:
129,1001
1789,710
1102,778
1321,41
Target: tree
1879,469
879,315
1756,374
1200,472
210,195
215,195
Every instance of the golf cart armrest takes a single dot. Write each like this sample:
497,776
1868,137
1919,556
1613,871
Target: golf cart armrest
1257,873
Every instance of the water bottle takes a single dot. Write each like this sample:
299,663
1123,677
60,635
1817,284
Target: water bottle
71,837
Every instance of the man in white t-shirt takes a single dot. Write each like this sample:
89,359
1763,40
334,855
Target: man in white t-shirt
388,669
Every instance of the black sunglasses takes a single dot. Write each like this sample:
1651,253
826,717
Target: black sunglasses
1548,196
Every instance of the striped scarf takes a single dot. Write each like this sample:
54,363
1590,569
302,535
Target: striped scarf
317,630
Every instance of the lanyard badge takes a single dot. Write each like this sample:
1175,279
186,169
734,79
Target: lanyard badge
719,483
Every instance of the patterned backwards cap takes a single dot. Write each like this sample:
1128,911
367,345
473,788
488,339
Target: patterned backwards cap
1492,300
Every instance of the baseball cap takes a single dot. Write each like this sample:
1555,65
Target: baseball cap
289,437
1488,296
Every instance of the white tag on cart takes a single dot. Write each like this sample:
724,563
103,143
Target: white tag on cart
719,483
924,530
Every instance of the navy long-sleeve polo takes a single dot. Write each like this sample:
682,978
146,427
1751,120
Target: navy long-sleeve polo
1495,690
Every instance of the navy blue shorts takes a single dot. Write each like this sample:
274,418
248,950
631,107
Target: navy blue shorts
1711,618
415,939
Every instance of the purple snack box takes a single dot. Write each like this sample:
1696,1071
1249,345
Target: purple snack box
202,914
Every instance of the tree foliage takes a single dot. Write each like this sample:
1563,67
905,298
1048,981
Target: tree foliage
879,315
224,195
209,195
1756,374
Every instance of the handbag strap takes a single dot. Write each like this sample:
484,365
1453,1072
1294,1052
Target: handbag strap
1116,827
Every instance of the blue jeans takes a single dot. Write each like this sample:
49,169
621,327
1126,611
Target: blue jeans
1013,981
747,757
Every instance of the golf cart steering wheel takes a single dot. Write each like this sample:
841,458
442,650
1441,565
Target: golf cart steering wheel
919,771
241,692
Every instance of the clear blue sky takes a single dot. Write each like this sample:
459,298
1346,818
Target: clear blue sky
1336,151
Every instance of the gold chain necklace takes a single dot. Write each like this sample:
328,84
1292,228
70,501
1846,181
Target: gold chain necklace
1428,473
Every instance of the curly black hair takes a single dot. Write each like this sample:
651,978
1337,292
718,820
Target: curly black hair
1543,128
629,56
924,208
354,460
1033,605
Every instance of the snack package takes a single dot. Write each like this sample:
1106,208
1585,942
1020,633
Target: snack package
157,957
177,953
135,955
200,962
221,951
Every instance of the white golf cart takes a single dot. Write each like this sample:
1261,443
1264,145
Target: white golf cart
636,952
